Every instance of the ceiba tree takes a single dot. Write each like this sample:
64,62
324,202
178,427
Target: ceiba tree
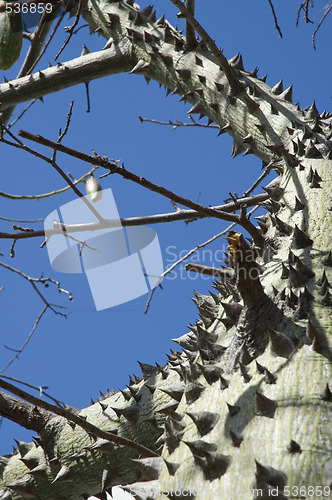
246,406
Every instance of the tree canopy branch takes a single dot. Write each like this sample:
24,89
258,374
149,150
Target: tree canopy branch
116,59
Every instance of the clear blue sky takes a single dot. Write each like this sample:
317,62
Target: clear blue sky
92,351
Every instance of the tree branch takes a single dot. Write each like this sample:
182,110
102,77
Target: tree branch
44,195
138,221
177,123
208,270
126,174
23,413
70,416
18,352
34,53
114,60
275,18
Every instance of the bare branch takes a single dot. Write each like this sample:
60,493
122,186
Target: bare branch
55,147
44,195
185,257
22,113
305,7
72,417
194,250
70,30
126,174
39,317
186,215
34,54
208,270
50,38
40,389
275,18
69,115
42,280
329,8
177,123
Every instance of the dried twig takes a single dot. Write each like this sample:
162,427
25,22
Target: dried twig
177,123
194,250
50,38
22,113
68,119
40,389
188,254
275,18
44,195
305,7
47,304
70,29
45,282
329,8
18,352
55,146
185,257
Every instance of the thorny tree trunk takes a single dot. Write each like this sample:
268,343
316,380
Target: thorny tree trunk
246,405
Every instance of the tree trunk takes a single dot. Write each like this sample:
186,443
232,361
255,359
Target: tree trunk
245,410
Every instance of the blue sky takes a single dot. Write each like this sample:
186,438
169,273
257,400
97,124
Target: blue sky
91,351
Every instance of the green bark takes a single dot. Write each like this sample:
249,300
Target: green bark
276,383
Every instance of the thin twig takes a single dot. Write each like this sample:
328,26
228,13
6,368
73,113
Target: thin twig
33,281
275,18
22,113
55,146
257,182
50,38
40,389
319,25
44,195
305,7
193,250
177,123
70,30
40,315
43,281
33,54
185,257
68,119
